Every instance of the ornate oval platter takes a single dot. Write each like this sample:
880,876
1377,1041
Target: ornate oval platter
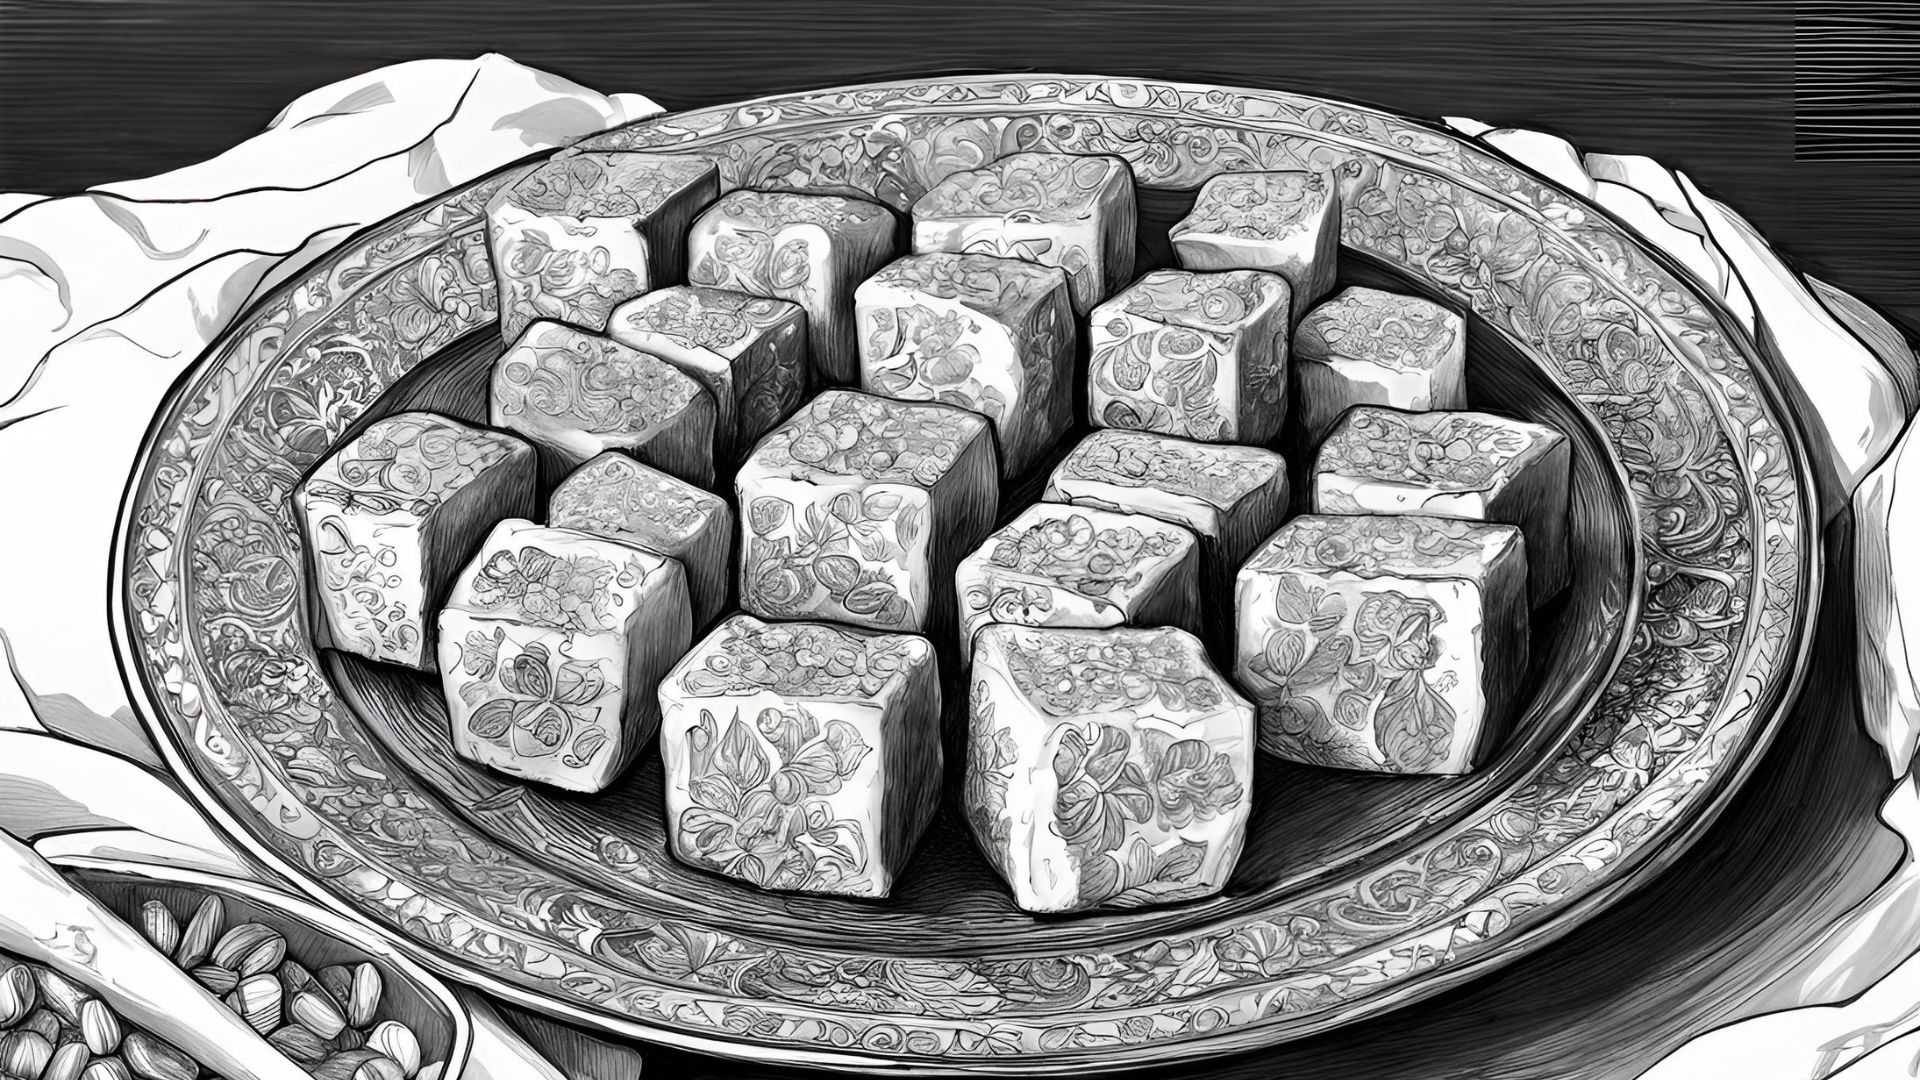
1663,682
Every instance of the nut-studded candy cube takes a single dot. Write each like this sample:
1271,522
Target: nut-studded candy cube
1071,211
575,395
617,497
984,333
1389,643
1231,497
1367,347
551,648
1201,356
1105,767
859,508
802,756
1469,465
810,249
584,231
1284,222
750,352
1063,565
389,518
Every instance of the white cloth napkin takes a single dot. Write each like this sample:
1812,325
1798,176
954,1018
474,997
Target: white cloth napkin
121,287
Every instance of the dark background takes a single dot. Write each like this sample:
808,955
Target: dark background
113,89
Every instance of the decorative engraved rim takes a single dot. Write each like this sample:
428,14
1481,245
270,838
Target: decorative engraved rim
210,636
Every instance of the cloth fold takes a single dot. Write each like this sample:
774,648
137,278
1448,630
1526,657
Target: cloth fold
125,284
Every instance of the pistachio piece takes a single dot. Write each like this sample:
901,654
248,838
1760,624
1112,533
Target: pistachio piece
337,981
99,1026
348,1039
397,1042
24,1054
215,978
300,1045
44,1023
202,930
18,995
110,1068
155,1060
161,928
68,1062
250,949
316,1013
294,977
363,1000
60,995
257,999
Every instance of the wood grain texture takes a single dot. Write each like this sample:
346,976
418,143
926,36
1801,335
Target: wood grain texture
116,89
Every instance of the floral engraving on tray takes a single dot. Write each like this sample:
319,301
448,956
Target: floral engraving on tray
1255,206
1065,552
844,434
840,551
806,660
1222,475
1376,668
760,811
1105,787
1404,333
537,704
1721,612
595,382
1451,451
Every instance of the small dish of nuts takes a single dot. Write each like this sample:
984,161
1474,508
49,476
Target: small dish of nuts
328,995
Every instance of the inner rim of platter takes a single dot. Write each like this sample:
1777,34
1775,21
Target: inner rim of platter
1716,483
1310,826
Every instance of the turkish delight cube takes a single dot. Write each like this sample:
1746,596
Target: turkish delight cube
1231,497
802,757
1063,565
859,508
391,516
750,352
1105,768
1474,466
809,249
1201,356
1367,347
575,395
1072,211
984,333
1287,223
583,231
551,648
617,497
1388,643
